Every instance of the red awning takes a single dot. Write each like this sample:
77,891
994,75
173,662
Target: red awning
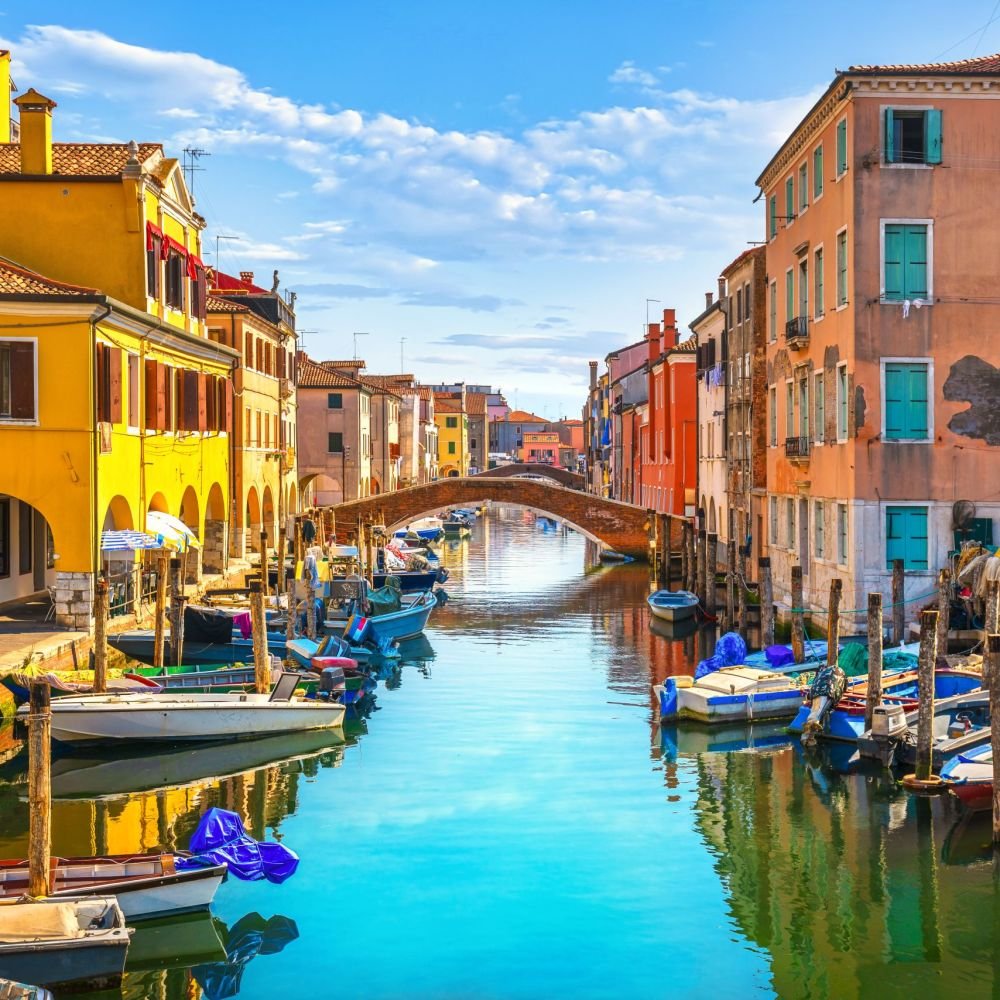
153,233
194,265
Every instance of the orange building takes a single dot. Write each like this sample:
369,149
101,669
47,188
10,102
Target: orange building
882,354
540,447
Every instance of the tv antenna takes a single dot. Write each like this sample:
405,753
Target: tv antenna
192,154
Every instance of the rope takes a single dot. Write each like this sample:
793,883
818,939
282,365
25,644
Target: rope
862,611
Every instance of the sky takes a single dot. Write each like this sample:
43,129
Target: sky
490,192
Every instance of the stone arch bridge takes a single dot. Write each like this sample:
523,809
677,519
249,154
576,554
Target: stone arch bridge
622,527
564,477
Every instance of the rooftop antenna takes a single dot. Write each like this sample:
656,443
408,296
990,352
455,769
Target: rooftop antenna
646,327
218,237
192,154
302,337
356,335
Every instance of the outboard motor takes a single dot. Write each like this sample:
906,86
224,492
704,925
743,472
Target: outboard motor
332,684
442,575
959,726
889,727
825,691
441,596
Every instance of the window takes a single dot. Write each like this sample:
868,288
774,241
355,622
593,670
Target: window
739,305
790,521
772,217
789,200
817,171
804,286
841,147
472,443
451,447
905,255
133,391
818,529
842,402
335,442
153,256
334,400
773,519
912,136
842,534
804,407
772,416
176,273
4,538
774,312
451,422
904,391
17,380
842,268
819,394
818,306
803,187
906,536
789,295
789,408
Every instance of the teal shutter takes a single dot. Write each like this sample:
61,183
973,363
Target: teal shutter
842,402
890,140
894,402
773,216
817,172
892,276
915,273
789,200
906,402
818,264
916,410
841,147
789,296
932,136
906,536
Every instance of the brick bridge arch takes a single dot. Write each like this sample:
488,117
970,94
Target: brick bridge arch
564,477
620,526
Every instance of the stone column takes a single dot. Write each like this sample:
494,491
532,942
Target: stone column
214,558
75,600
193,566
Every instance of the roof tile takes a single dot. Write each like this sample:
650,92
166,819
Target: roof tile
318,376
981,64
16,280
80,159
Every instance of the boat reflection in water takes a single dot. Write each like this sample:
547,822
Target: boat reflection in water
689,739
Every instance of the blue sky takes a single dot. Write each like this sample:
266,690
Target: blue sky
504,185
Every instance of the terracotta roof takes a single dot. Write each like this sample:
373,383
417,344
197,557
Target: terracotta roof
524,417
380,383
729,268
220,305
16,280
314,376
690,345
447,403
80,159
475,403
981,64
356,363
425,391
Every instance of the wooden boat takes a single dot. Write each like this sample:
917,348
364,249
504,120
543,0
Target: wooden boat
410,581
970,777
169,718
728,695
208,678
673,605
456,528
395,626
144,885
61,943
69,682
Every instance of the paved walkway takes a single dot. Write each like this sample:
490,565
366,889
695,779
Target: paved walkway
24,633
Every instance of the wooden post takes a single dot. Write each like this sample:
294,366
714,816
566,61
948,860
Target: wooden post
662,537
310,611
898,607
292,610
692,560
39,789
101,636
711,564
159,621
666,524
766,602
685,528
298,541
798,617
874,690
993,658
944,607
263,564
176,612
993,607
833,626
731,583
258,625
279,587
741,595
925,693
699,580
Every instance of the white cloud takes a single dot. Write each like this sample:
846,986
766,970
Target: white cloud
629,73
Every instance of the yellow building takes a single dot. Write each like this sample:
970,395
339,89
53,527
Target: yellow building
113,401
452,421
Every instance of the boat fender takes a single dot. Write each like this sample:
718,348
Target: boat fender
320,663
667,691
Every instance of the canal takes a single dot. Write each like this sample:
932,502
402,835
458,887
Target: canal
508,821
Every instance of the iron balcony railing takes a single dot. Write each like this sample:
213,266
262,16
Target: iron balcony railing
797,447
797,328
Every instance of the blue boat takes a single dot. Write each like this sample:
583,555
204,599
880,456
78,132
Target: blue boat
410,581
425,534
673,605
406,623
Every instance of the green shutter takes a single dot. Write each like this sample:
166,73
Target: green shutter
789,200
890,139
841,147
841,269
892,275
894,402
915,272
842,402
818,305
906,536
789,296
916,379
773,216
817,172
932,136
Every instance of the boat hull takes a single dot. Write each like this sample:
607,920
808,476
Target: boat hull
407,623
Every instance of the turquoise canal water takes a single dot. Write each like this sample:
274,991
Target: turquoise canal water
510,822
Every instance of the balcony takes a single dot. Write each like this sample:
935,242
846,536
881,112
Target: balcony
285,387
797,449
797,332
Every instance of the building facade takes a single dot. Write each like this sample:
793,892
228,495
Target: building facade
711,335
540,448
452,419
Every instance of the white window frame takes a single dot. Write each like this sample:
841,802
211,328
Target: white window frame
927,505
929,362
14,421
822,146
841,174
818,317
819,429
882,223
883,108
836,269
842,437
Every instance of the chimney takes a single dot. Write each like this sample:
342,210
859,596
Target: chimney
670,332
246,277
593,375
708,300
5,88
722,288
36,132
463,397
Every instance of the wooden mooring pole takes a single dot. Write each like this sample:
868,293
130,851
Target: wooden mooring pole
993,659
263,564
766,602
923,776
668,555
700,563
874,687
711,564
798,616
310,611
731,583
101,636
898,607
944,610
160,613
279,587
258,626
685,555
39,789
292,613
177,600
833,622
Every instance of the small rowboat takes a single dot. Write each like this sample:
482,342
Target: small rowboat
728,695
672,605
970,777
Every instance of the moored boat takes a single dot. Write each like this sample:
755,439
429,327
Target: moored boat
727,695
970,777
672,605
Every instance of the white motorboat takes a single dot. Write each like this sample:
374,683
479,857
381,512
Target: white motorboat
672,605
145,885
62,942
169,717
728,695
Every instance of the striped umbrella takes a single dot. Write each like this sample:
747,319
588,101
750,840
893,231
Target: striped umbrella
176,534
129,541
